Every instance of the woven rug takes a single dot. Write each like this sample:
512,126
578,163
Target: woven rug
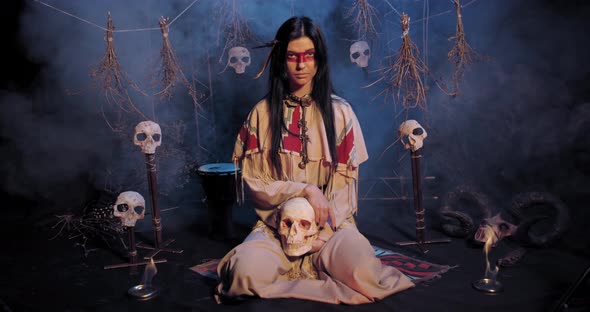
417,270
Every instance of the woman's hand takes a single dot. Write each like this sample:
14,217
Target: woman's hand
321,206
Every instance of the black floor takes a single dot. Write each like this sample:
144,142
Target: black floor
43,274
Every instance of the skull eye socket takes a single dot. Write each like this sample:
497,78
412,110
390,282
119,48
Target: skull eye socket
417,131
245,59
287,223
157,137
305,224
355,55
503,227
233,59
122,207
138,209
141,136
367,52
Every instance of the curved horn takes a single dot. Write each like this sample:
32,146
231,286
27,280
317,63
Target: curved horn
464,227
449,212
522,201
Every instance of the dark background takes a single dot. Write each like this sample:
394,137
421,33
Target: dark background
520,123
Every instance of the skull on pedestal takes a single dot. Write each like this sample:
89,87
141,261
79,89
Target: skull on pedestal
297,226
238,58
414,133
148,136
360,54
129,207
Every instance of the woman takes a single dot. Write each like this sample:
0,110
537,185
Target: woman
303,141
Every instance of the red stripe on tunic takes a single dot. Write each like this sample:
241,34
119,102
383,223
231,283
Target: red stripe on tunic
344,149
248,139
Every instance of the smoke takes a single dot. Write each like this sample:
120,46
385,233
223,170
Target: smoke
515,125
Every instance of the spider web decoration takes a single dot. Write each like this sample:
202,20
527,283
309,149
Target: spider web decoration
112,80
461,54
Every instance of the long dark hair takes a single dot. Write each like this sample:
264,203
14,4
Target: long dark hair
294,28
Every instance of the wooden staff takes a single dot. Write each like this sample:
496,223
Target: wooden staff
132,253
417,187
155,209
408,128
153,188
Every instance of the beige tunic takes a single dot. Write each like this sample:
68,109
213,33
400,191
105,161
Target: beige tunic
345,269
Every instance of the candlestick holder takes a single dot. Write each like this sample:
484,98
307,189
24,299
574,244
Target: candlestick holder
143,292
488,285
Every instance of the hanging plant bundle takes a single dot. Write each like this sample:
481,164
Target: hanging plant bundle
237,32
170,74
111,79
461,54
403,75
170,70
364,15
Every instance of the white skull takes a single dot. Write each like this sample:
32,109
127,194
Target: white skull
148,136
129,207
415,134
297,226
238,59
360,54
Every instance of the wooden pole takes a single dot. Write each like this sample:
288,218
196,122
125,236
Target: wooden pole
153,188
155,209
417,188
131,240
416,156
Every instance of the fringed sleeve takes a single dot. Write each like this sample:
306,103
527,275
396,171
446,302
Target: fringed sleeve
351,152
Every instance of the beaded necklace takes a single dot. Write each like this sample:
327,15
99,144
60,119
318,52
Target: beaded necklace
304,102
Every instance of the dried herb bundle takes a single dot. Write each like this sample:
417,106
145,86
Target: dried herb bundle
364,16
170,70
461,54
233,26
403,75
112,80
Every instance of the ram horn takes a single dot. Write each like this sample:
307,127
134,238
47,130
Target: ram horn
460,224
524,201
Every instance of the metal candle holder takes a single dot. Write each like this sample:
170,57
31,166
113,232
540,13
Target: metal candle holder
488,285
145,290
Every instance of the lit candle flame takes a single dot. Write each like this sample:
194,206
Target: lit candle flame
149,273
490,239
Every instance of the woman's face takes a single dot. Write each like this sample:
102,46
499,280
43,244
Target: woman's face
301,65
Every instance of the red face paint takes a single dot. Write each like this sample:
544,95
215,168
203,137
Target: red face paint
307,56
